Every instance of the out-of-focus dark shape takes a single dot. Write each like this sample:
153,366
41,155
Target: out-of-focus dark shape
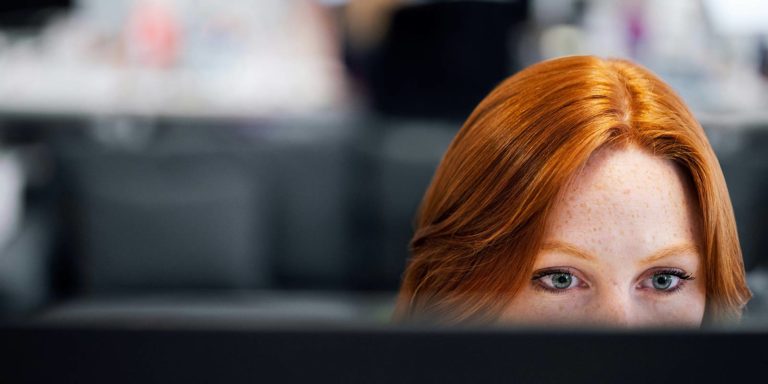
30,13
439,59
743,153
763,65
166,217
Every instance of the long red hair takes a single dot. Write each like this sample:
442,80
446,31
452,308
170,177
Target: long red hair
481,222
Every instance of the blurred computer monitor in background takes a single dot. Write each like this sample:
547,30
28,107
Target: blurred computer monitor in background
31,14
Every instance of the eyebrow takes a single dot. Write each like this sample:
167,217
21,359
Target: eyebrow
665,252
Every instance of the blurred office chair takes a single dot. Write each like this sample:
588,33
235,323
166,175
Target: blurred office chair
743,156
410,154
309,174
191,221
396,160
165,217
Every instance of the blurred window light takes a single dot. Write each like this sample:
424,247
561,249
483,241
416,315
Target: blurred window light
176,58
738,17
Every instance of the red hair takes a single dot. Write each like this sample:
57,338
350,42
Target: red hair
481,222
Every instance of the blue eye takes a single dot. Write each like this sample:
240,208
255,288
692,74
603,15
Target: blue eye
561,280
556,280
666,281
663,282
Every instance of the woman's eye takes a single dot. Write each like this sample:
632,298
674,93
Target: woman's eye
557,281
562,280
666,281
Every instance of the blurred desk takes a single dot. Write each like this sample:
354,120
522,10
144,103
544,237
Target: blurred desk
275,88
228,309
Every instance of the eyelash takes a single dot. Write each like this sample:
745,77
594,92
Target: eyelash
548,272
683,276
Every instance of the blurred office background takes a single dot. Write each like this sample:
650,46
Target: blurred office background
262,160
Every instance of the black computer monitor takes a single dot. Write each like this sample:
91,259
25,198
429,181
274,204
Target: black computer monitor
366,354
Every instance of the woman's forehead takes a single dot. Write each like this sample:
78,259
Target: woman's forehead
625,200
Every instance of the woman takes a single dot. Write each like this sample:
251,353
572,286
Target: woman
579,191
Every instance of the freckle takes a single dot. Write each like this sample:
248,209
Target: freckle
621,232
626,191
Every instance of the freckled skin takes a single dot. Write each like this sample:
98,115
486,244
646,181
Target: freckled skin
622,206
